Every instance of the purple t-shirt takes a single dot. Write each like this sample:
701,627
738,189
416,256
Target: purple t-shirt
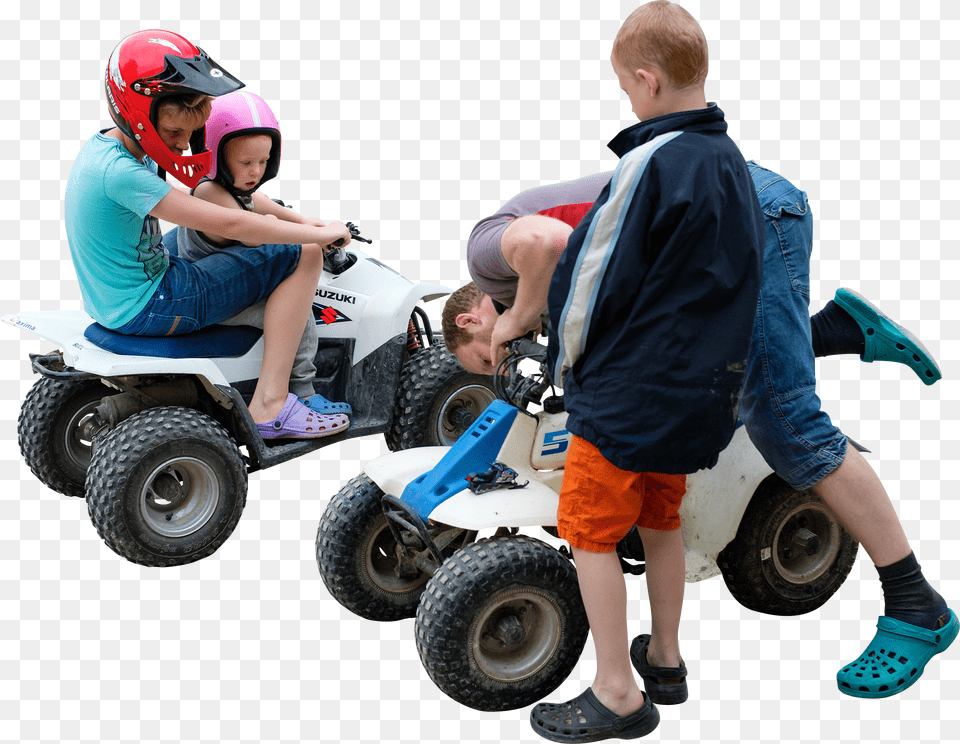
567,201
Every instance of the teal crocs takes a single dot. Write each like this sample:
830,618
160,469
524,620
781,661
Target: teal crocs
318,404
886,341
895,658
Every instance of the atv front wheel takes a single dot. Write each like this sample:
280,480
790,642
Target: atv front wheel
437,400
166,487
359,559
51,434
790,554
501,624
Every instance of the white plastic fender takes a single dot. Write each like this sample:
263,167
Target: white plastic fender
711,512
387,314
65,329
392,472
533,505
715,502
552,441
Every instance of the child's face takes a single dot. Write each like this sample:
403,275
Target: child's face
247,159
175,129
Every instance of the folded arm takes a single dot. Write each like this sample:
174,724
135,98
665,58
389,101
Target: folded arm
531,246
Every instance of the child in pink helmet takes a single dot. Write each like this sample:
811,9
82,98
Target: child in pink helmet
158,87
243,136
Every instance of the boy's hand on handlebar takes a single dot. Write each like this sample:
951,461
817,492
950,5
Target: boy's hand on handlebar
335,234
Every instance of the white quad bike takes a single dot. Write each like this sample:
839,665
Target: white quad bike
155,432
499,621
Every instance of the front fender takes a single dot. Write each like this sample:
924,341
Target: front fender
394,472
431,481
388,312
534,505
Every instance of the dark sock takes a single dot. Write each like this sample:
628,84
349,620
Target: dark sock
908,597
834,332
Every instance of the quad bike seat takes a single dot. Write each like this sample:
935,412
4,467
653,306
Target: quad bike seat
210,342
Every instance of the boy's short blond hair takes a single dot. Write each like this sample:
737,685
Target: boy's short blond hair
196,108
661,34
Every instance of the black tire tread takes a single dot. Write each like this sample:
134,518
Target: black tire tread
457,592
346,521
743,569
423,376
36,425
120,450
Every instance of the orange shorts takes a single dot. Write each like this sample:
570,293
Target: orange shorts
599,502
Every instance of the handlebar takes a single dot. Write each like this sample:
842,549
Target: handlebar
526,346
514,387
336,260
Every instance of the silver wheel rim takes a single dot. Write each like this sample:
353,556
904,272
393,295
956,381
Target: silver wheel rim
179,497
76,447
793,562
460,410
504,661
380,561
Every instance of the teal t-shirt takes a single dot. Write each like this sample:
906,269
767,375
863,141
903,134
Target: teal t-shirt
114,241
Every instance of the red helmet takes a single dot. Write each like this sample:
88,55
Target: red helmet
147,67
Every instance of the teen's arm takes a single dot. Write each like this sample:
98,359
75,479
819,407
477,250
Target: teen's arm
210,191
263,204
182,209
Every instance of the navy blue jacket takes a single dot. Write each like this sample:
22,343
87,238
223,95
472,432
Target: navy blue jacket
653,301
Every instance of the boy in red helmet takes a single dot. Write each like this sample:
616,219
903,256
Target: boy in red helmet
158,86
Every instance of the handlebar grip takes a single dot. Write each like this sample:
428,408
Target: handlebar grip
337,243
526,346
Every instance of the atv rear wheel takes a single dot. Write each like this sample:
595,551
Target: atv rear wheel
359,559
790,554
51,434
501,624
437,400
166,487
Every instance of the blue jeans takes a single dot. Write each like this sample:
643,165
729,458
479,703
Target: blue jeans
193,295
780,407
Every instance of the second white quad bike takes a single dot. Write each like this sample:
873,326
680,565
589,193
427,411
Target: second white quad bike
499,620
155,432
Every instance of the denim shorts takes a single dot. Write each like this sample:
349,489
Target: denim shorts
780,406
193,295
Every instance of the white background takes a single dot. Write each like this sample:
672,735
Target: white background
415,120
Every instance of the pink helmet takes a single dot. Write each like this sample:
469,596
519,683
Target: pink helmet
235,114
